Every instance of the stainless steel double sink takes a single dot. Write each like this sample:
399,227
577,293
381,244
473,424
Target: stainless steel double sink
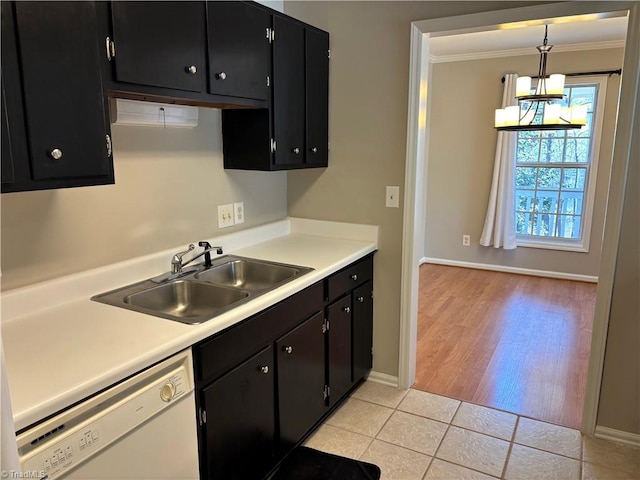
204,292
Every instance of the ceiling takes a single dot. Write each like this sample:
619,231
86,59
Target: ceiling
566,34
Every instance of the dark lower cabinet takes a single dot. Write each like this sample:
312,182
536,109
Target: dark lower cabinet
58,106
240,425
362,333
264,384
301,380
339,342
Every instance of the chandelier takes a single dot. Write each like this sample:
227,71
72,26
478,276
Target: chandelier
541,110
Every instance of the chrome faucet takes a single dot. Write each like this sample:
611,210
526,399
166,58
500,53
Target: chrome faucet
176,261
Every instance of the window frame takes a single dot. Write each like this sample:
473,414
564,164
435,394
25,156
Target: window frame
580,244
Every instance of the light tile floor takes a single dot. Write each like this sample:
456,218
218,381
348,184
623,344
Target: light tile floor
414,435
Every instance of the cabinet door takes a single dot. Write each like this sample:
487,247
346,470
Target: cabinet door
301,379
7,156
239,49
64,101
288,92
159,43
240,425
339,341
317,97
362,330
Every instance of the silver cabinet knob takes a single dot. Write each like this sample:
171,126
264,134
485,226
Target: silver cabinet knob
264,369
56,154
361,299
192,69
314,150
354,277
296,150
347,309
221,76
287,349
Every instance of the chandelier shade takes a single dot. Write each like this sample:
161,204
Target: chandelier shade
540,110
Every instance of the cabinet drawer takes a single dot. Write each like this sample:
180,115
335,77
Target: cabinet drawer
349,278
217,355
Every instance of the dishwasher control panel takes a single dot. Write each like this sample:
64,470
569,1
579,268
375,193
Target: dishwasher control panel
101,421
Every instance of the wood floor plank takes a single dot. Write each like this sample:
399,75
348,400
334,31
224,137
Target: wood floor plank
513,342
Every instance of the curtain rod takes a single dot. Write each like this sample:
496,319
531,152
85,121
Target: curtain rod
582,74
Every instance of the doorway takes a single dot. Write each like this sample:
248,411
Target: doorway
417,143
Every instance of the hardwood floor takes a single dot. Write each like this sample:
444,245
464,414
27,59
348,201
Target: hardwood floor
512,342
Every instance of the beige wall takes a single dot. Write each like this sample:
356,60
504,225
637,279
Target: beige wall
368,92
168,185
461,159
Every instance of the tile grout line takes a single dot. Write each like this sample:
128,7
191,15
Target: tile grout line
512,442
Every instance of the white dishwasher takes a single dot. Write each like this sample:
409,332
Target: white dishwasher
142,428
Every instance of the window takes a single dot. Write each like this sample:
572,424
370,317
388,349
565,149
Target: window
555,175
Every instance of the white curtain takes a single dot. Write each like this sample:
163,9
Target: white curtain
499,224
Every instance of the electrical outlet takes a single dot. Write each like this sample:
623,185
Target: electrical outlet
466,240
238,212
393,197
225,215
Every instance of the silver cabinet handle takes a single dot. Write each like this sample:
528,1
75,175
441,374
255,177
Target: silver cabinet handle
56,154
192,69
347,309
287,349
354,277
314,150
221,76
264,369
361,299
296,150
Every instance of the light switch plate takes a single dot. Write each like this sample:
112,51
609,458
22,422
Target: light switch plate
238,212
393,197
225,215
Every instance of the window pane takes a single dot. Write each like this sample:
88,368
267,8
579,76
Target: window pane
549,178
551,149
569,226
528,150
548,203
571,202
526,177
577,150
573,178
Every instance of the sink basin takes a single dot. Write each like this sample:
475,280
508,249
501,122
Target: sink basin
204,292
186,298
249,274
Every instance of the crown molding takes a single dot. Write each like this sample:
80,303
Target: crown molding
516,52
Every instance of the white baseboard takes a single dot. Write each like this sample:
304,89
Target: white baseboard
619,436
502,268
383,378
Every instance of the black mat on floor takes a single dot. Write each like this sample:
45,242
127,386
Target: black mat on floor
308,464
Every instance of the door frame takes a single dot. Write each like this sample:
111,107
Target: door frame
417,159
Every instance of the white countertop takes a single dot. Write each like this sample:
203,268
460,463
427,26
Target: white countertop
61,347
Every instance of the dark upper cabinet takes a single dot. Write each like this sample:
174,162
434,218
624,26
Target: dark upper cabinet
240,425
288,92
159,44
7,155
317,97
294,133
59,108
239,41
